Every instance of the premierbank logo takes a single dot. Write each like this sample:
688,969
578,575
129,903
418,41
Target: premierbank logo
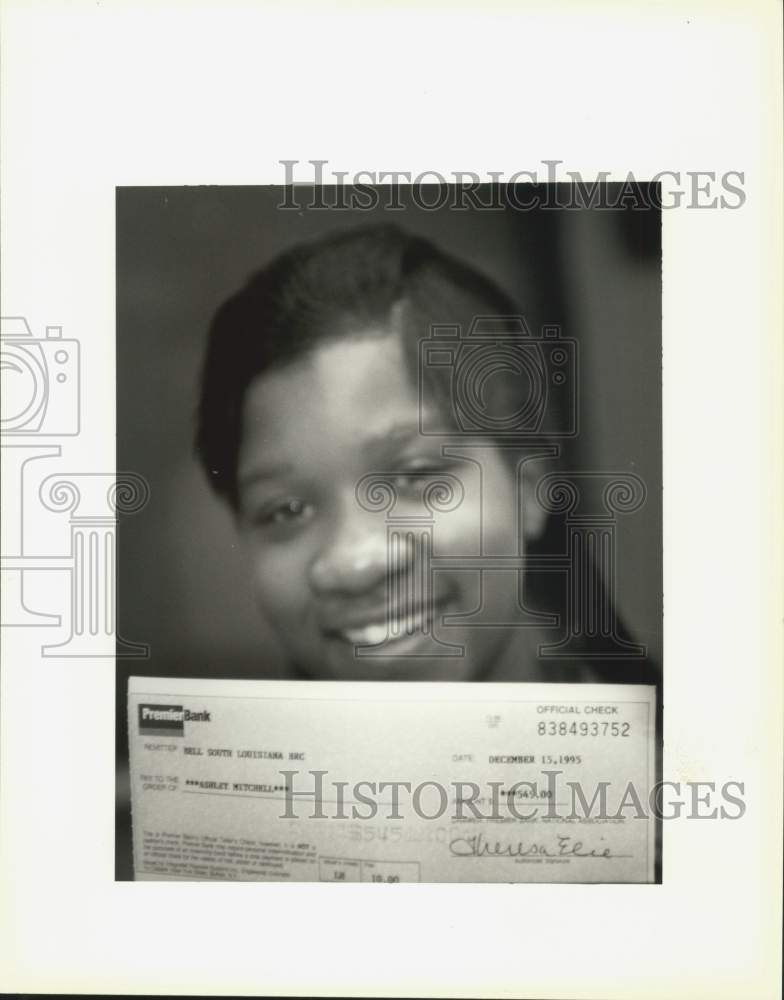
167,720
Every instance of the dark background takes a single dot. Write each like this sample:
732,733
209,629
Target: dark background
181,251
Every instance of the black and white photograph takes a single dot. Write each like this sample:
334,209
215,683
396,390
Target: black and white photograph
414,440
392,443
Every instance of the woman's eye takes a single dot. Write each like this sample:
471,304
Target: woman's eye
408,483
414,481
403,479
284,512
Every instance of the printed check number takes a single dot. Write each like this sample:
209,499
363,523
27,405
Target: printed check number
391,782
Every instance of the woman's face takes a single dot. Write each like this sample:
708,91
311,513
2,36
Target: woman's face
331,576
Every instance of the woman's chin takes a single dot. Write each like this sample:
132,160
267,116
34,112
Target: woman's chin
338,660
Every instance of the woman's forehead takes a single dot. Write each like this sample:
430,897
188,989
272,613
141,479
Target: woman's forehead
356,370
342,394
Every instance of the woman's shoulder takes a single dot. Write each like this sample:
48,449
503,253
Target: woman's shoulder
525,660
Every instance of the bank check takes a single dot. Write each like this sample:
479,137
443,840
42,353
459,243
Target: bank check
391,782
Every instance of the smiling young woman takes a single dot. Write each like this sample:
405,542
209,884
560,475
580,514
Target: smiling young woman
314,380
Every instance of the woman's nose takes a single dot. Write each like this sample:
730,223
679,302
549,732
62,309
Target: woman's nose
353,560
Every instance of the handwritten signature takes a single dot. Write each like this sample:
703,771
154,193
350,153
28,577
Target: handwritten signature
478,846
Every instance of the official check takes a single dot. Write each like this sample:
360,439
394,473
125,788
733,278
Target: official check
391,782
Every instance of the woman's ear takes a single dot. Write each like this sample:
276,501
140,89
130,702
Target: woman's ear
534,515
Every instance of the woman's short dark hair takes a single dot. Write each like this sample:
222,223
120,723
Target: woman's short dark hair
342,285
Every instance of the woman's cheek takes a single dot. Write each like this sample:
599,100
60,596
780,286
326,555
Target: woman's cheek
460,531
459,537
280,584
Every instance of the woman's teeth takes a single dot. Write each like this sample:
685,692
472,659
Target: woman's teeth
370,635
393,628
